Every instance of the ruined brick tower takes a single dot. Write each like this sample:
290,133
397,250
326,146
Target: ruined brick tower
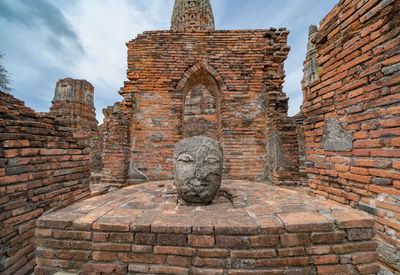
192,15
193,80
73,100
73,104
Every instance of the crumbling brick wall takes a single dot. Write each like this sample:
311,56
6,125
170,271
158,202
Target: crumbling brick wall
242,70
42,167
353,115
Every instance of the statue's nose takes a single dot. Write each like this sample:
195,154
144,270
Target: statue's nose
197,174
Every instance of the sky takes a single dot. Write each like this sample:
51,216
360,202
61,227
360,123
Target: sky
47,40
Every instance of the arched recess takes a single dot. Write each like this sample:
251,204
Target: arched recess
202,85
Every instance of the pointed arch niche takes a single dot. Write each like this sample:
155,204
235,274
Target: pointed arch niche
201,110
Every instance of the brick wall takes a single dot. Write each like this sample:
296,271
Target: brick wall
353,122
242,70
41,168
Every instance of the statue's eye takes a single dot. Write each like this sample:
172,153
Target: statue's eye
186,158
212,160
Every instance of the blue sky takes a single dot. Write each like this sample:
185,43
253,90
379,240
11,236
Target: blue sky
46,40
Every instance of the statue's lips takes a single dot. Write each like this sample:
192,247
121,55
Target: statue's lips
195,183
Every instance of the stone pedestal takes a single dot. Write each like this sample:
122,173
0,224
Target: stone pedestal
250,228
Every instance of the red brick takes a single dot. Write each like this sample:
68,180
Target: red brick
102,256
111,247
242,242
360,234
264,241
174,250
385,174
325,259
368,269
355,177
253,254
145,238
290,252
364,258
41,232
334,270
387,222
318,250
207,271
141,248
72,235
354,247
139,268
104,268
213,253
160,269
178,260
328,237
299,239
384,190
352,218
256,272
210,262
172,239
309,221
285,262
201,241
147,258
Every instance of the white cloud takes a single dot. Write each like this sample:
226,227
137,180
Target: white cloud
103,28
88,40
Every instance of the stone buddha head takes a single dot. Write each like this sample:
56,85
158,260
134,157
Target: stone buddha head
198,169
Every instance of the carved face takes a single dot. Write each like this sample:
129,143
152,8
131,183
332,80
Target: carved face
198,169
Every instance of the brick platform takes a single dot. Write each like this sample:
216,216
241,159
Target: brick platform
250,228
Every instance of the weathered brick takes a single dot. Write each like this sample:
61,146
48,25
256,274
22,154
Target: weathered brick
318,250
172,239
174,250
360,234
291,261
253,254
368,268
207,271
237,242
309,222
354,247
160,269
352,218
325,259
104,268
201,241
334,269
328,237
178,260
210,262
147,258
111,247
103,256
263,241
295,239
72,235
213,253
364,258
